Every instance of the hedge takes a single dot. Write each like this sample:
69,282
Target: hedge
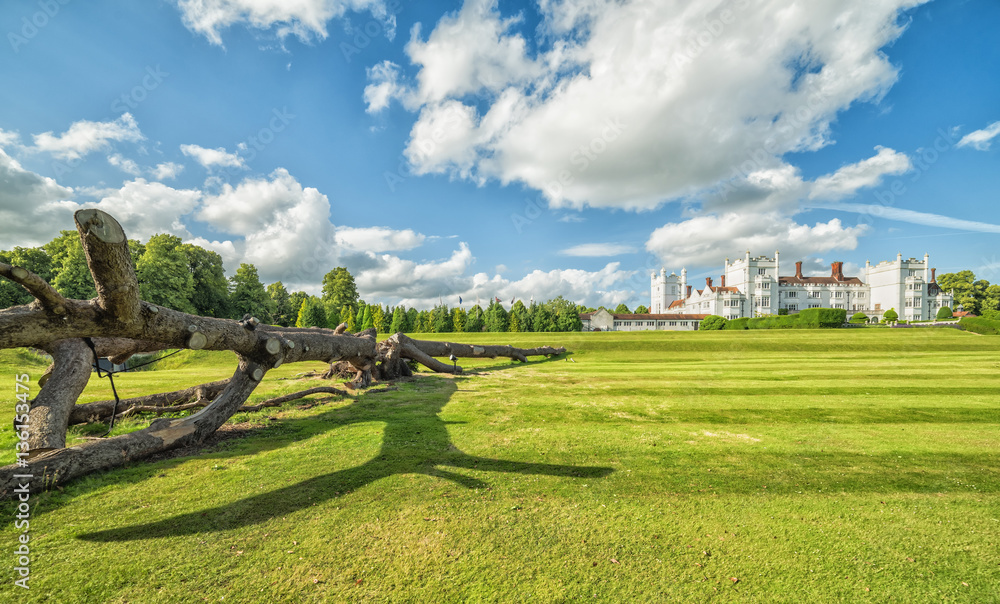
811,318
712,322
737,323
980,325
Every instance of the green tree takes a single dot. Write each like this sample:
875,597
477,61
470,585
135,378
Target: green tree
34,259
518,319
210,296
366,321
380,320
969,293
890,315
248,295
398,323
639,310
860,317
712,323
990,306
412,320
458,319
621,309
496,317
164,275
312,313
441,319
339,289
543,319
474,321
566,315
425,322
70,274
944,312
295,301
281,303
347,316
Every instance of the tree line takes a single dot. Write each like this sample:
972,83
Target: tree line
977,296
189,278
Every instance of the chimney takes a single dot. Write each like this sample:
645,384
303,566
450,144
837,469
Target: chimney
708,281
689,291
933,277
838,271
798,269
722,280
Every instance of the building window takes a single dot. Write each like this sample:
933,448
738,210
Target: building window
859,295
732,302
673,323
650,323
838,294
764,301
792,294
814,306
765,285
912,272
762,271
838,306
793,307
814,295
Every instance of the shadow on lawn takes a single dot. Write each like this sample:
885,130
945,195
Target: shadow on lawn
415,441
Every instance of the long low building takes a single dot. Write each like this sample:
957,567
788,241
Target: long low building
753,287
602,320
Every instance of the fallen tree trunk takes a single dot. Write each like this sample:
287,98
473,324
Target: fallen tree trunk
117,324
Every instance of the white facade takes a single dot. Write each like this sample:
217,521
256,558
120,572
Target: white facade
602,320
753,287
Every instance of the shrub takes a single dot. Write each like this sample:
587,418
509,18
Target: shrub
981,325
945,313
712,323
890,315
859,317
782,311
737,323
811,318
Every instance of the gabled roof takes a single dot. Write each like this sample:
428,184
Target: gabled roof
793,280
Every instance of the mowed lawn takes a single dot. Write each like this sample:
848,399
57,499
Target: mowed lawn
766,466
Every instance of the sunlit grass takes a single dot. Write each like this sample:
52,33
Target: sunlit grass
816,466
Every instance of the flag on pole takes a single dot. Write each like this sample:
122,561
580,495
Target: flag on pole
512,301
460,300
497,298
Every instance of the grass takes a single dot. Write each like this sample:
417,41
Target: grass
811,466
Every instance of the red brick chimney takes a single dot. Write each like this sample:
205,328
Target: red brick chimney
708,281
798,269
722,280
689,291
838,271
933,277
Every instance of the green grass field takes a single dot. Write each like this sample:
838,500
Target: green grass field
765,466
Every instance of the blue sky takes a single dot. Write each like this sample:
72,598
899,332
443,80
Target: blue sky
512,149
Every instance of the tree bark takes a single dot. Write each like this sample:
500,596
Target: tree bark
50,411
165,401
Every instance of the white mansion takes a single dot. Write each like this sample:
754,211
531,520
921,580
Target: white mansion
753,287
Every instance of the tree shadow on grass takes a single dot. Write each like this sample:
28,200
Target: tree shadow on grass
415,441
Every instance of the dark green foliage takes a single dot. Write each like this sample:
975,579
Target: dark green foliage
295,300
165,277
518,319
210,295
441,320
980,325
474,321
496,317
782,311
34,259
70,274
248,294
280,302
412,320
639,310
859,317
398,323
712,323
740,323
381,319
312,313
339,289
890,315
621,309
969,293
945,313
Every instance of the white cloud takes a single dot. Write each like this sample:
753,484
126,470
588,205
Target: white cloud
378,239
706,240
981,139
33,208
84,137
598,249
285,227
634,104
868,173
147,208
210,158
124,164
386,276
9,139
167,170
913,217
305,19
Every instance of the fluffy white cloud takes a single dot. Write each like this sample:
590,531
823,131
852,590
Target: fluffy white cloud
8,139
633,104
981,139
34,207
285,227
147,208
84,137
304,19
124,164
598,249
167,170
868,173
706,240
209,158
378,239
